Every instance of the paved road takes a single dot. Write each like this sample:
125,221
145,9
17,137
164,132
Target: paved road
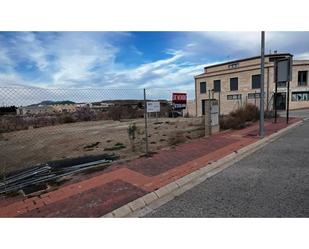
272,182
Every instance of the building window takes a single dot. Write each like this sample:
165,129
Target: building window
256,81
300,96
233,96
302,78
217,85
202,87
254,95
234,65
234,84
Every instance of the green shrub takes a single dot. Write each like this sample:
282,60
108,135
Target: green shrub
248,112
231,122
68,119
237,119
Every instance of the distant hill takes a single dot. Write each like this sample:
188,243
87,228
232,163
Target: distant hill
49,102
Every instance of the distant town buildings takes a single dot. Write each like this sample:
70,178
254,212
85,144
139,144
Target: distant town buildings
50,108
64,108
34,110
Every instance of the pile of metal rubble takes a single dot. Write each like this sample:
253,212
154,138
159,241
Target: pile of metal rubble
51,171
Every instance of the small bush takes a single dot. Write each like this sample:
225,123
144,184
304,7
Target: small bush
237,119
249,112
230,122
68,119
132,130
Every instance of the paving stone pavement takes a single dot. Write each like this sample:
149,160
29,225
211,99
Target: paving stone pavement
96,194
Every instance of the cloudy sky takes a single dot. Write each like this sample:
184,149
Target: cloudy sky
128,60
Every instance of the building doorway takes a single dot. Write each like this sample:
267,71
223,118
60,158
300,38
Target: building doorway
203,106
281,101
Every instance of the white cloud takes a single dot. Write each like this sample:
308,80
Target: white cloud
28,47
5,60
11,79
87,59
191,45
79,58
236,40
302,56
243,43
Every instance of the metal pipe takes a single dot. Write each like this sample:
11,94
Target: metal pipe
146,129
287,102
261,130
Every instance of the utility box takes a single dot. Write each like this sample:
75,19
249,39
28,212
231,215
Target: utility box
211,117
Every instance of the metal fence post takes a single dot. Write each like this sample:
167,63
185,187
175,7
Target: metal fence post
146,128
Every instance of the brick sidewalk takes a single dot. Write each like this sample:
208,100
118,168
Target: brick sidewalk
97,194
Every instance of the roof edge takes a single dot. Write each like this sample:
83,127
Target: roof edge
247,59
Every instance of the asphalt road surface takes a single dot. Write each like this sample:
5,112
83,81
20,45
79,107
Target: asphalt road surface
272,182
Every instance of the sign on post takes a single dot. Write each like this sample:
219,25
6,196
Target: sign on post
179,100
153,106
283,73
283,70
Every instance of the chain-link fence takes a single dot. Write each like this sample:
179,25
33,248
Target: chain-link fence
43,125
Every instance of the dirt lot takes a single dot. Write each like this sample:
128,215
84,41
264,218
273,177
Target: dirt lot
22,149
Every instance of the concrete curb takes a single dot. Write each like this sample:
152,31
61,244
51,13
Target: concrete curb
153,200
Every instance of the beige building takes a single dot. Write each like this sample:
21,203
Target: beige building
237,82
34,110
64,108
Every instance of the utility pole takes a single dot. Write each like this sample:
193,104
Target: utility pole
146,129
261,130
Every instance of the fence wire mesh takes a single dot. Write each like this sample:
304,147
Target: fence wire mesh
42,125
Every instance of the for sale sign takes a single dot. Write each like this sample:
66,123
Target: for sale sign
179,98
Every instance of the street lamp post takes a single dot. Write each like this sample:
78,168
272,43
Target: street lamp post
261,123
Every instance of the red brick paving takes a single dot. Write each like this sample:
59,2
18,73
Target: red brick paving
94,202
99,193
179,156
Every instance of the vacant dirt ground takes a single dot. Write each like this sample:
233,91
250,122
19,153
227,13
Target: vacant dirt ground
22,149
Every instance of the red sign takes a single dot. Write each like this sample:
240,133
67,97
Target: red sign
179,98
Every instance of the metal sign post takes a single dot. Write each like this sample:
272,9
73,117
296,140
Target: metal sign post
209,113
261,130
146,130
287,102
275,99
283,74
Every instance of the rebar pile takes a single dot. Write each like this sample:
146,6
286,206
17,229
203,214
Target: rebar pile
48,172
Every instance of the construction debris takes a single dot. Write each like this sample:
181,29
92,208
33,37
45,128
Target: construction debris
51,171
